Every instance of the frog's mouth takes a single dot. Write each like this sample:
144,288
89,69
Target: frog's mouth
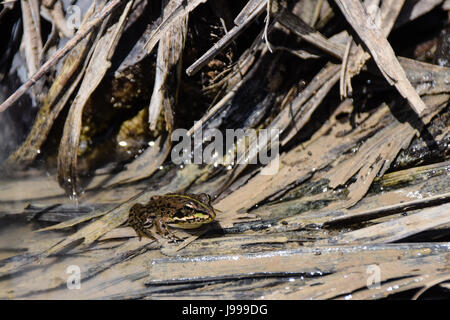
191,222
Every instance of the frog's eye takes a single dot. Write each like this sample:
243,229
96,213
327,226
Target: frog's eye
189,206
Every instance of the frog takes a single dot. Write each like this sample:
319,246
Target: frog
178,210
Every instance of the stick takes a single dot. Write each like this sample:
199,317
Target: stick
60,53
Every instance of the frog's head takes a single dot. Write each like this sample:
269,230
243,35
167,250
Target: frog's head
195,211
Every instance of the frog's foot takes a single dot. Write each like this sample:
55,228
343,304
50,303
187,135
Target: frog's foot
174,238
142,232
147,233
163,229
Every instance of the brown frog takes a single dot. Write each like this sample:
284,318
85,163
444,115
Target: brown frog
187,211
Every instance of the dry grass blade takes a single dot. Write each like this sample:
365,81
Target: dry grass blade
56,12
345,79
414,9
353,64
377,154
397,229
299,163
122,254
373,156
435,280
361,215
100,62
394,202
352,170
306,32
381,51
236,80
389,11
407,283
75,221
57,97
250,7
32,34
183,9
293,117
305,108
106,11
225,40
168,66
316,260
166,88
295,24
419,72
345,282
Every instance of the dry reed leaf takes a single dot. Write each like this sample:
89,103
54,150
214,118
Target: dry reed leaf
32,34
168,66
183,9
94,22
354,278
378,152
306,260
71,72
95,71
397,229
324,147
381,51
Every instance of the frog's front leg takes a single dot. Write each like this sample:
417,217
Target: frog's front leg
163,228
141,224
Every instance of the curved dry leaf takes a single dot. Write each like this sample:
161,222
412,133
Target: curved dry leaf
168,66
379,151
381,51
397,229
94,22
99,64
183,9
55,101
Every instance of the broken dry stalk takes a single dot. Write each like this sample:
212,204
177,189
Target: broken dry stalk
98,18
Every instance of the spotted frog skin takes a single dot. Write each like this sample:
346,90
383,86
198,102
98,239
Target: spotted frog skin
187,211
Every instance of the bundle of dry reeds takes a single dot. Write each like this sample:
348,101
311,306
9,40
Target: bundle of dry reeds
359,101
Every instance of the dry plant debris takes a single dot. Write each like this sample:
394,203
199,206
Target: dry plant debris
363,134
